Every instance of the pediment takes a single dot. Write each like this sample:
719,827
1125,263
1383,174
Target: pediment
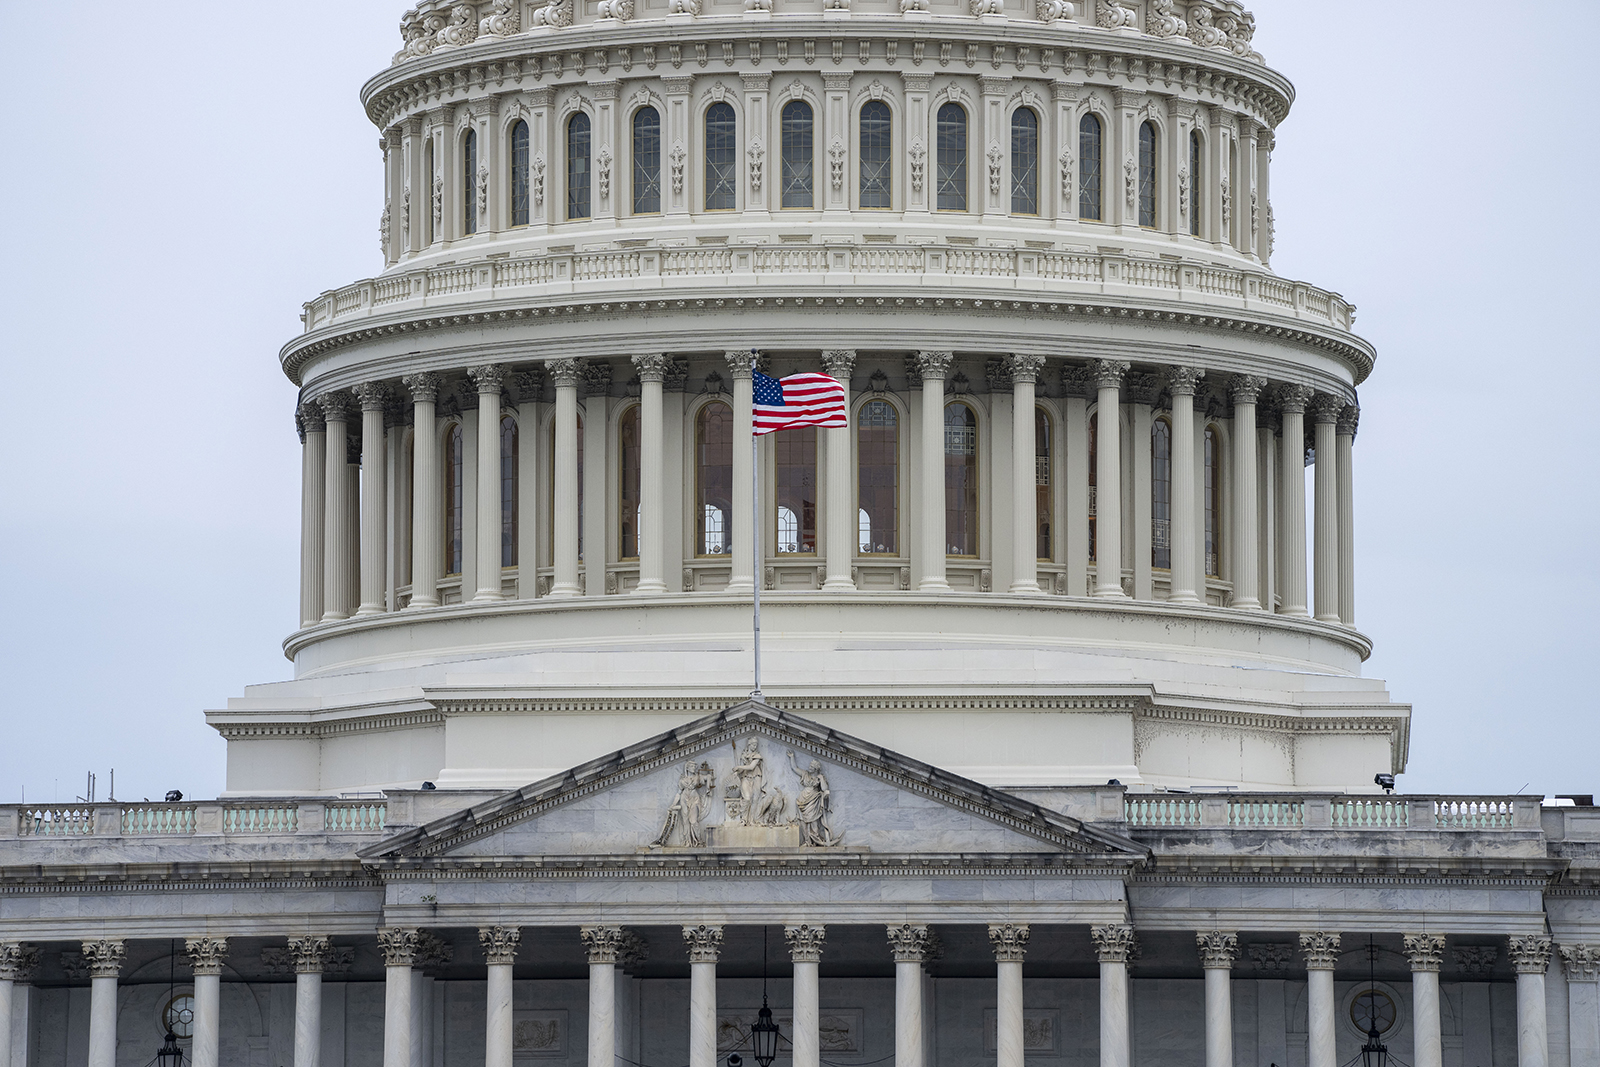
752,779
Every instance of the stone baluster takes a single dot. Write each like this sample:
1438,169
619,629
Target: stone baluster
17,964
1426,952
1114,945
399,946
1531,957
742,562
934,367
105,964
205,958
1246,389
842,525
313,472
1217,953
705,945
529,386
310,955
601,943
1324,410
500,948
337,537
427,492
1010,942
1321,950
1108,375
1349,417
1024,475
805,953
653,370
1581,963
373,398
1181,384
909,943
490,380
1292,521
566,374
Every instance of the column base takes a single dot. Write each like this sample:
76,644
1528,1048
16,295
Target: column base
1026,589
740,585
563,592
1331,618
654,587
334,616
1111,594
417,604
933,585
1295,613
487,596
839,585
369,609
1251,604
1184,598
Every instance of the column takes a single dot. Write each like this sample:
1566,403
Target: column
742,564
1246,389
1077,503
1266,509
597,525
1265,142
1349,417
839,509
500,947
1582,966
1181,384
1292,478
105,962
1108,375
1321,951
934,367
1217,953
1425,951
372,397
566,373
601,944
426,492
397,498
652,474
17,963
1531,957
529,385
1024,475
309,955
336,533
1324,410
1138,482
805,953
1010,941
489,379
909,944
1113,943
705,943
399,945
313,472
205,958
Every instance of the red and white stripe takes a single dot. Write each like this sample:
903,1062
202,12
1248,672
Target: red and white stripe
809,399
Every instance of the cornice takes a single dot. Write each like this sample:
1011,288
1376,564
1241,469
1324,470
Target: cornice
685,864
245,730
1218,866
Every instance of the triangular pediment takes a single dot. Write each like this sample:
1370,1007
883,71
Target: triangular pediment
752,779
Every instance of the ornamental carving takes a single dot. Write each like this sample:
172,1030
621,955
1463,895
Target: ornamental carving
1113,942
805,942
104,958
683,7
758,5
502,20
337,406
405,216
602,169
18,961
1349,420
918,154
1024,368
1530,955
676,158
741,362
757,155
1130,182
987,7
1183,381
601,943
909,943
1425,951
1291,399
399,946
1273,960
536,172
500,943
1163,22
814,805
1227,204
704,942
908,7
308,955
483,190
935,365
1109,15
528,385
556,13
749,800
1054,10
1272,230
653,366
424,387
1065,159
438,204
1476,961
1183,194
1238,31
1255,217
1581,963
839,363
461,30
596,379
1246,388
383,229
621,10
1108,373
1217,950
836,160
205,954
565,373
1010,941
1321,950
1325,407
1202,28
996,156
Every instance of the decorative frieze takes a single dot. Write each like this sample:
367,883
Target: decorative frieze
704,942
1320,949
1424,951
500,943
805,942
1010,941
1218,950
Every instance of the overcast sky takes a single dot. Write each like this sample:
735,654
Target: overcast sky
180,181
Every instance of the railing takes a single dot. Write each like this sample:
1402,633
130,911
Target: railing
358,818
1473,814
1322,811
55,822
1163,810
260,819
1266,812
158,819
1365,813
199,818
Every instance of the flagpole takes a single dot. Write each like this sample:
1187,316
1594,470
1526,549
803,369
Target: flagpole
755,551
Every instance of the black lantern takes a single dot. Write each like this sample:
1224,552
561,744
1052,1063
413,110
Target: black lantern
1374,1053
764,1035
169,1054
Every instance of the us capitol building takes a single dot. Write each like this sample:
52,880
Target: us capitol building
1061,759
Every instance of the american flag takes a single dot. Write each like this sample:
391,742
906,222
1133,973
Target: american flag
798,400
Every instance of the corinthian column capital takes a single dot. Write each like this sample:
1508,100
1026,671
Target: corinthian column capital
206,954
1292,399
602,943
1217,950
337,406
1183,381
705,943
935,365
490,378
372,396
104,957
653,366
1321,950
1114,942
1530,955
1425,951
424,387
399,945
565,373
909,942
805,942
1324,407
1025,368
1010,940
310,954
840,363
1108,373
741,361
17,961
500,943
1349,419
1246,388
1580,962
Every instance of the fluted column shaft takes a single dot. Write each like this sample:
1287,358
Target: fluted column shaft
1182,383
805,953
309,955
500,949
652,475
1347,518
1010,942
1217,953
1425,952
842,524
909,944
934,367
1531,957
743,566
530,505
205,957
1325,415
1292,523
374,526
337,537
705,944
313,474
1024,475
1246,499
489,379
105,962
1321,951
1108,375
1113,945
7,989
427,514
565,373
1581,963
399,947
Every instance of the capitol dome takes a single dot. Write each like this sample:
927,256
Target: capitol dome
527,489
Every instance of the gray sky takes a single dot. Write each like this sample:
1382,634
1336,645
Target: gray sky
178,185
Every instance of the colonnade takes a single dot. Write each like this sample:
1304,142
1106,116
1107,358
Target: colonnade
911,945
347,542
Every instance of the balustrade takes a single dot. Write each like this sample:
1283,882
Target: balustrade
1322,811
198,818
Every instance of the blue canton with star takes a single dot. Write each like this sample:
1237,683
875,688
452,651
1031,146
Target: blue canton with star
767,390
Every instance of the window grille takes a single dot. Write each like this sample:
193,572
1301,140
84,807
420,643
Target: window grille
578,166
722,158
646,161
1024,162
950,176
798,168
1089,144
877,138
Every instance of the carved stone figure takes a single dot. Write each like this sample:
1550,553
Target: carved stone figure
1227,205
1065,159
1110,15
1255,216
836,5
996,156
685,819
405,216
1203,30
555,13
814,805
603,171
1163,22
746,782
1130,181
383,229
483,190
758,5
502,20
438,203
1272,229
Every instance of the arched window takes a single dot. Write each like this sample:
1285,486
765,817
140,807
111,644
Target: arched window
877,142
1194,184
1147,174
519,174
798,160
796,454
469,181
950,163
646,161
428,236
878,477
508,491
578,166
1044,512
722,158
1089,168
1094,443
1213,499
960,480
713,447
1161,494
1024,162
454,498
628,485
